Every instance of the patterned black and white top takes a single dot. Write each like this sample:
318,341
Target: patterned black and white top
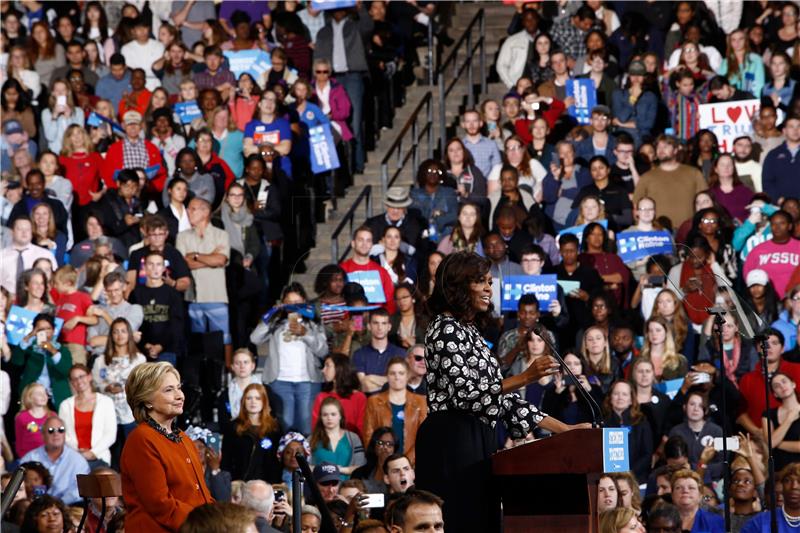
463,375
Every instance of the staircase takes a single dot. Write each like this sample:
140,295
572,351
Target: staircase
497,17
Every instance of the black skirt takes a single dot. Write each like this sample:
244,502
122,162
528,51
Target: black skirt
454,452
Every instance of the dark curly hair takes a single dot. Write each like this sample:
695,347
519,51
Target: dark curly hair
345,380
451,291
40,505
323,280
40,469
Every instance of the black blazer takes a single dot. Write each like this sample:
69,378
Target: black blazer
410,230
249,457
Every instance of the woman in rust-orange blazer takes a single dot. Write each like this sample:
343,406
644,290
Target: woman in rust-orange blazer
162,480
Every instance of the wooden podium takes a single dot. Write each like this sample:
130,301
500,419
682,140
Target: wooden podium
550,485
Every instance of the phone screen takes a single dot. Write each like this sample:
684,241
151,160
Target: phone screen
358,322
61,100
41,337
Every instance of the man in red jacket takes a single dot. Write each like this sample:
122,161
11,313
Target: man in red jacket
361,245
135,152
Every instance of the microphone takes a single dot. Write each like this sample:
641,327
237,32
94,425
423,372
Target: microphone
593,407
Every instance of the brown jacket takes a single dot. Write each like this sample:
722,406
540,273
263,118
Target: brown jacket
379,413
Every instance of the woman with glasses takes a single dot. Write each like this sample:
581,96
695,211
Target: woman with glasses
269,127
436,202
531,172
341,382
687,495
90,419
331,97
381,445
746,499
716,228
41,359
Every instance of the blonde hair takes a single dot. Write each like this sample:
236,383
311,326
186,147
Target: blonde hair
213,114
601,209
27,395
51,222
671,356
613,520
680,322
66,274
143,382
67,149
605,363
112,113
686,474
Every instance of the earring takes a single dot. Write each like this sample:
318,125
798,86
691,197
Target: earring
148,406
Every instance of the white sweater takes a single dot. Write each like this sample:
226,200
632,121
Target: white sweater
104,425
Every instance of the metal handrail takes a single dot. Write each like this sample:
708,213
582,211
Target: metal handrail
444,90
417,136
366,196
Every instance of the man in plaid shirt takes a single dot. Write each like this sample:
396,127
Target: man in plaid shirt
570,33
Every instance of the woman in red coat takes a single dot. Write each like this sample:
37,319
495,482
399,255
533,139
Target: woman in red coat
162,476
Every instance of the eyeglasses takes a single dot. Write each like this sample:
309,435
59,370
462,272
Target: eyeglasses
52,430
419,358
331,483
322,72
708,498
709,220
235,195
385,443
646,209
436,171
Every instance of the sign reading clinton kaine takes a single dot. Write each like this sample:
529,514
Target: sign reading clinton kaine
545,288
633,245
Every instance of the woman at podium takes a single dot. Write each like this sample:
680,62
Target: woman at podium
467,398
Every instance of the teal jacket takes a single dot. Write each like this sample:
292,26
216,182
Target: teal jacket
749,79
32,359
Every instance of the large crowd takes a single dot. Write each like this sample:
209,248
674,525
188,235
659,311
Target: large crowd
157,199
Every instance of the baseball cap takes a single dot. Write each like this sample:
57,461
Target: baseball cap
10,127
757,277
325,472
132,117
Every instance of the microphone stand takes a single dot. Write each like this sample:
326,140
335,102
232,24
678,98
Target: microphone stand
719,320
763,339
593,407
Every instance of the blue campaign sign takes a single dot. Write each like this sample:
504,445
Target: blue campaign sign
545,288
254,62
323,150
370,280
20,323
578,230
325,5
96,119
188,111
616,456
585,95
633,245
669,387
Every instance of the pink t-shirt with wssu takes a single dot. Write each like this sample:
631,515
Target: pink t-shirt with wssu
778,260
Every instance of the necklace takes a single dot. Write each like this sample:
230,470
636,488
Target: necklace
174,435
792,521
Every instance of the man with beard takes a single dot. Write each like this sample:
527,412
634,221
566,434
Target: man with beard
671,184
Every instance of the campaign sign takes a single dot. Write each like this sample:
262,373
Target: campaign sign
633,245
578,230
188,111
669,387
323,150
325,5
254,62
616,457
96,119
729,120
20,323
545,288
370,280
585,95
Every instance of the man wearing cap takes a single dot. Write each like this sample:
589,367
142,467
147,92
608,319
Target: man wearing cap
396,200
328,478
14,138
134,152
599,142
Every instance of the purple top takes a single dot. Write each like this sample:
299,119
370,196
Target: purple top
255,8
735,201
